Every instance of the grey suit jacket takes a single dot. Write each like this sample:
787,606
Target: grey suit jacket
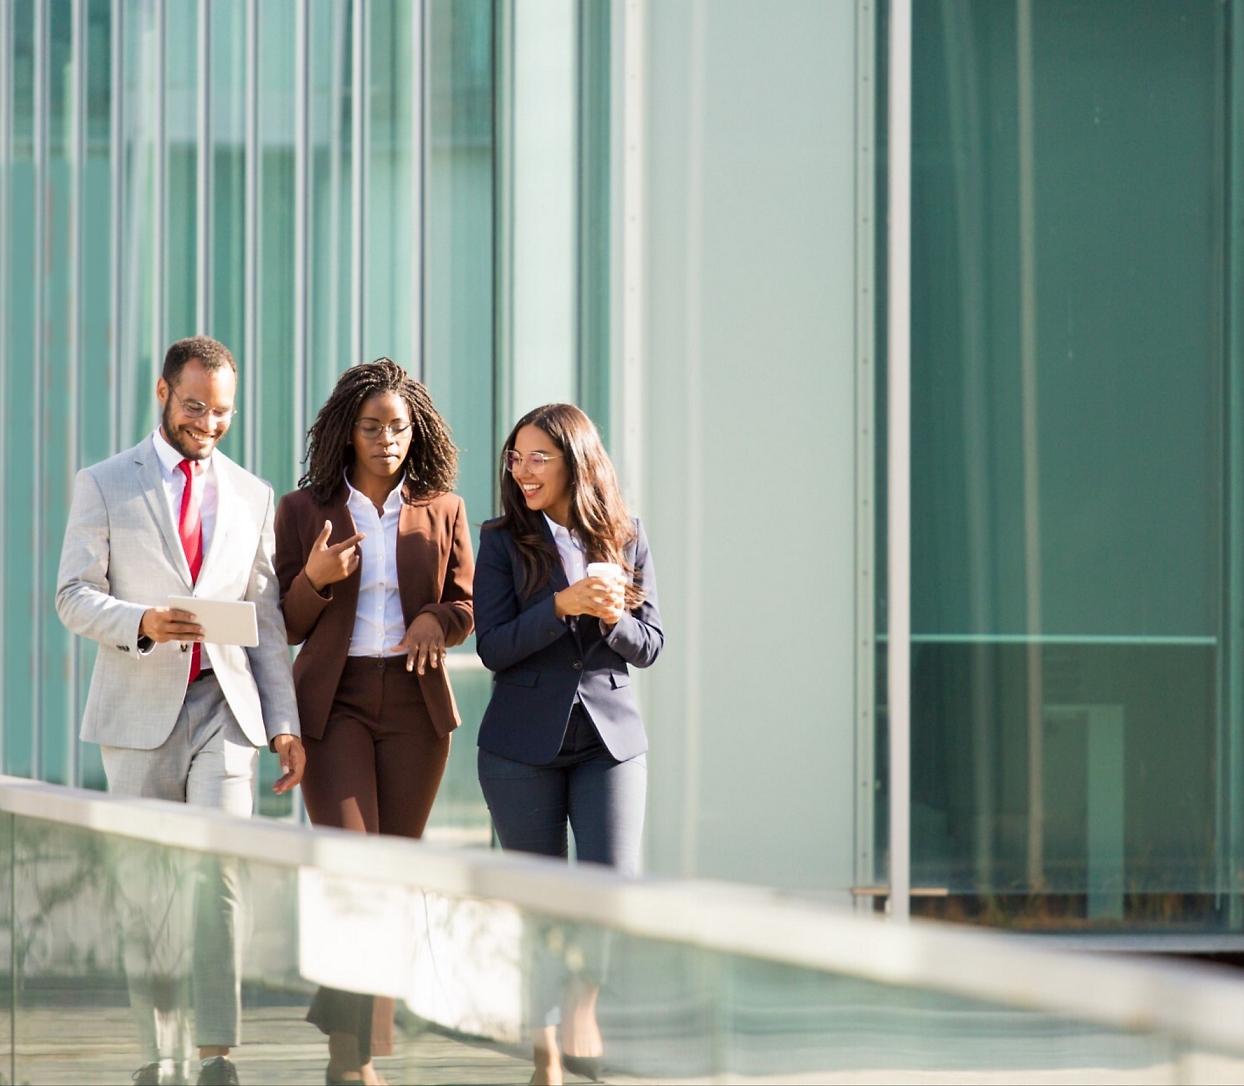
122,554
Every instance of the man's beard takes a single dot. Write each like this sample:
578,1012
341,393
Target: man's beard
174,438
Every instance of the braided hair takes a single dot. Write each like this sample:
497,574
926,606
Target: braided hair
432,462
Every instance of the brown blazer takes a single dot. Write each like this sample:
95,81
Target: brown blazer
435,568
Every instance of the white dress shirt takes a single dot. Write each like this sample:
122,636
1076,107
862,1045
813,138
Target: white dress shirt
570,548
175,485
378,621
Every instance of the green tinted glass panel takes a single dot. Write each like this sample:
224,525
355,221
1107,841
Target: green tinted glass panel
1074,182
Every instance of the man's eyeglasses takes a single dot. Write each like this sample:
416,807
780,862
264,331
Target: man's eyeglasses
193,409
535,461
372,430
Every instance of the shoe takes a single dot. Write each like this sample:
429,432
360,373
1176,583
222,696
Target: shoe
218,1071
332,1080
158,1074
586,1066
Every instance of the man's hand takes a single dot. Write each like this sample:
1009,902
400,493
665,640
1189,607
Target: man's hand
293,761
424,643
327,565
168,624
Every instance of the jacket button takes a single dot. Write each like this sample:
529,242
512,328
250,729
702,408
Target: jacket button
577,665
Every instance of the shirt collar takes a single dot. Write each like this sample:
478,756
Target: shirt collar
391,504
170,458
561,532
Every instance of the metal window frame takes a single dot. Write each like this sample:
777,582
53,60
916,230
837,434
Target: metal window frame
78,63
160,175
302,235
898,362
38,363
865,455
6,109
251,271
632,102
359,175
203,172
419,125
116,168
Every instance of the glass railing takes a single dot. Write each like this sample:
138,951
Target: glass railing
123,921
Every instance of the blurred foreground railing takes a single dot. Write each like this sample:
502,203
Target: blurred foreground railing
701,979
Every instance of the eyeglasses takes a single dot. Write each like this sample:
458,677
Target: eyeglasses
512,461
372,430
193,409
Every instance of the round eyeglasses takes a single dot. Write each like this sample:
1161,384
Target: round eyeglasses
194,409
512,461
372,430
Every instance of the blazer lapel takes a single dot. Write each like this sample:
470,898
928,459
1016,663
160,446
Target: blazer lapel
347,591
416,551
151,479
558,580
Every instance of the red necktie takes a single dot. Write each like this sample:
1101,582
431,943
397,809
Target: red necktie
190,528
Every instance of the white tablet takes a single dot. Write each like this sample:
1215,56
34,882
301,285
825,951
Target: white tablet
225,622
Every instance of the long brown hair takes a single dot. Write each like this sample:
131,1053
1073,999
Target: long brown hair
597,513
432,462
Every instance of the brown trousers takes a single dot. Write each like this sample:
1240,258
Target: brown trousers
375,769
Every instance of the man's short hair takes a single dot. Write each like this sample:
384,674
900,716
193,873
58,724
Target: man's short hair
210,352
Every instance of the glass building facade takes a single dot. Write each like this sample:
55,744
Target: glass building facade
1077,715
673,212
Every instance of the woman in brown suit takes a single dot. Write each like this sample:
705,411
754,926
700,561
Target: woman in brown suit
373,555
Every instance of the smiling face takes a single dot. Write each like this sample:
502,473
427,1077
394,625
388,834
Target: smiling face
198,389
549,491
379,453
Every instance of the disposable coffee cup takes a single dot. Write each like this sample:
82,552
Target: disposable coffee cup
605,570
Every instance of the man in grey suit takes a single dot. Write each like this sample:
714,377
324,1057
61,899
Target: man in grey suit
177,718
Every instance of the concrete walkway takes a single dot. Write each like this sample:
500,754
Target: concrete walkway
90,1045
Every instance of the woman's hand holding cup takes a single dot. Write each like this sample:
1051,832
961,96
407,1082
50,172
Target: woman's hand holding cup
600,594
611,574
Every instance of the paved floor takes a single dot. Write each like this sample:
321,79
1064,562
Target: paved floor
96,1045
81,1045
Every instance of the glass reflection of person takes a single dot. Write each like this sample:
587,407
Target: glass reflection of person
373,556
561,742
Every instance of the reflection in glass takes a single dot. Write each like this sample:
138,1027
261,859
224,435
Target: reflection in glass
1071,360
91,908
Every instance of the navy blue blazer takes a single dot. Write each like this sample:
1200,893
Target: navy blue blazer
541,661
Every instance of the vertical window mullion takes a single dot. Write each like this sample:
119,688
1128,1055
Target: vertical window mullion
38,363
898,315
203,175
77,359
358,172
418,126
250,251
159,242
6,106
116,164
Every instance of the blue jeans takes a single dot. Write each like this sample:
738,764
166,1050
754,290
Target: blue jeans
602,802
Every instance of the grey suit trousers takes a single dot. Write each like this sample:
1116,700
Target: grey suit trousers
173,937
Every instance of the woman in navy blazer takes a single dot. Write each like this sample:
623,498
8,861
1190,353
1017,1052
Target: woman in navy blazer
562,743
